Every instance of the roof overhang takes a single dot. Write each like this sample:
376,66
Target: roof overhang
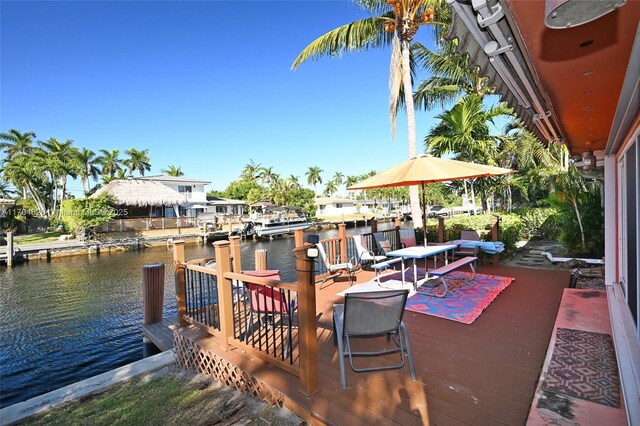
565,84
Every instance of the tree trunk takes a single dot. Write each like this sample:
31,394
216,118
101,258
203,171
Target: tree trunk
41,207
85,184
582,240
473,200
416,212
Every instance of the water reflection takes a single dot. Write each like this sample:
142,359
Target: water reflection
72,318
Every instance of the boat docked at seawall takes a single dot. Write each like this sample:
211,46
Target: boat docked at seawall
267,221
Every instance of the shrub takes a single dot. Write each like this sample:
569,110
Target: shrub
592,223
84,214
534,220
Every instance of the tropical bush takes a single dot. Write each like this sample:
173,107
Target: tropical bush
83,215
541,222
592,220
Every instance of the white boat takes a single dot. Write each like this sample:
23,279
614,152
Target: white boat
267,221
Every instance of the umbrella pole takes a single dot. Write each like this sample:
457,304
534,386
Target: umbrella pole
424,216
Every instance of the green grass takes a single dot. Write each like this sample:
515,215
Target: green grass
43,237
174,399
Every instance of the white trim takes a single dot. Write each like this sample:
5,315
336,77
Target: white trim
610,211
624,330
627,351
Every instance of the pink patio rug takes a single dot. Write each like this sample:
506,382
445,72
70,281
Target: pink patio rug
465,300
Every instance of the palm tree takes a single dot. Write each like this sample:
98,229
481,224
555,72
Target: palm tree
138,161
295,182
61,161
267,176
313,176
16,142
396,24
251,171
27,172
88,163
172,170
330,188
5,190
464,131
110,162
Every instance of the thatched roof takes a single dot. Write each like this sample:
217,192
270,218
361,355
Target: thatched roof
141,193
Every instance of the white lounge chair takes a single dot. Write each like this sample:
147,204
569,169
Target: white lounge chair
365,255
337,268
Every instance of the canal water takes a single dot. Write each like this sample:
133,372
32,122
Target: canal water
72,318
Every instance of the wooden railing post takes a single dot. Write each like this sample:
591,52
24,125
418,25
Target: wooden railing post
153,292
10,249
225,291
441,229
374,225
235,253
181,284
495,236
342,231
308,337
298,235
261,260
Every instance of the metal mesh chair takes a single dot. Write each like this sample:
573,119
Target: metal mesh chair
368,315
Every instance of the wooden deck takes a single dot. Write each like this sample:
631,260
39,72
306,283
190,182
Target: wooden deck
482,373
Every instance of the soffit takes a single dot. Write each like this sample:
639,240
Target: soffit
578,87
582,83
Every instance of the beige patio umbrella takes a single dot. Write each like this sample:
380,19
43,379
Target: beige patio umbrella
426,169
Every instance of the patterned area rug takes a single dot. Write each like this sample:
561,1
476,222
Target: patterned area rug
583,365
465,300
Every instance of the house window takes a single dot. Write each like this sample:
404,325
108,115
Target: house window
185,188
221,209
338,205
631,234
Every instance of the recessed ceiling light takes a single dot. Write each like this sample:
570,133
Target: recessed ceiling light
587,108
587,72
587,92
586,43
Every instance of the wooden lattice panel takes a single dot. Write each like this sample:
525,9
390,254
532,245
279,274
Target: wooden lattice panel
192,356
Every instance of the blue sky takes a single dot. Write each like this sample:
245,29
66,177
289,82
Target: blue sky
204,85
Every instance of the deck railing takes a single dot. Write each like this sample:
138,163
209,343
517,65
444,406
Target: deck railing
201,295
254,314
146,224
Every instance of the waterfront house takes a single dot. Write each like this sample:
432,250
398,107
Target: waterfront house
191,189
142,198
332,207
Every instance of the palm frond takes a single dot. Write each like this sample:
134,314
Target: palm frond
374,6
355,36
437,91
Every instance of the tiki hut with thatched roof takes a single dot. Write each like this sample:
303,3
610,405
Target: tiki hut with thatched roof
141,197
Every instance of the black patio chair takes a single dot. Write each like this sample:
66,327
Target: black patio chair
370,315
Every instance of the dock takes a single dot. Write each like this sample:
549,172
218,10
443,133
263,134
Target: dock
161,333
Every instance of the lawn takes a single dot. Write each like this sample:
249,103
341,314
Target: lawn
42,237
169,397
